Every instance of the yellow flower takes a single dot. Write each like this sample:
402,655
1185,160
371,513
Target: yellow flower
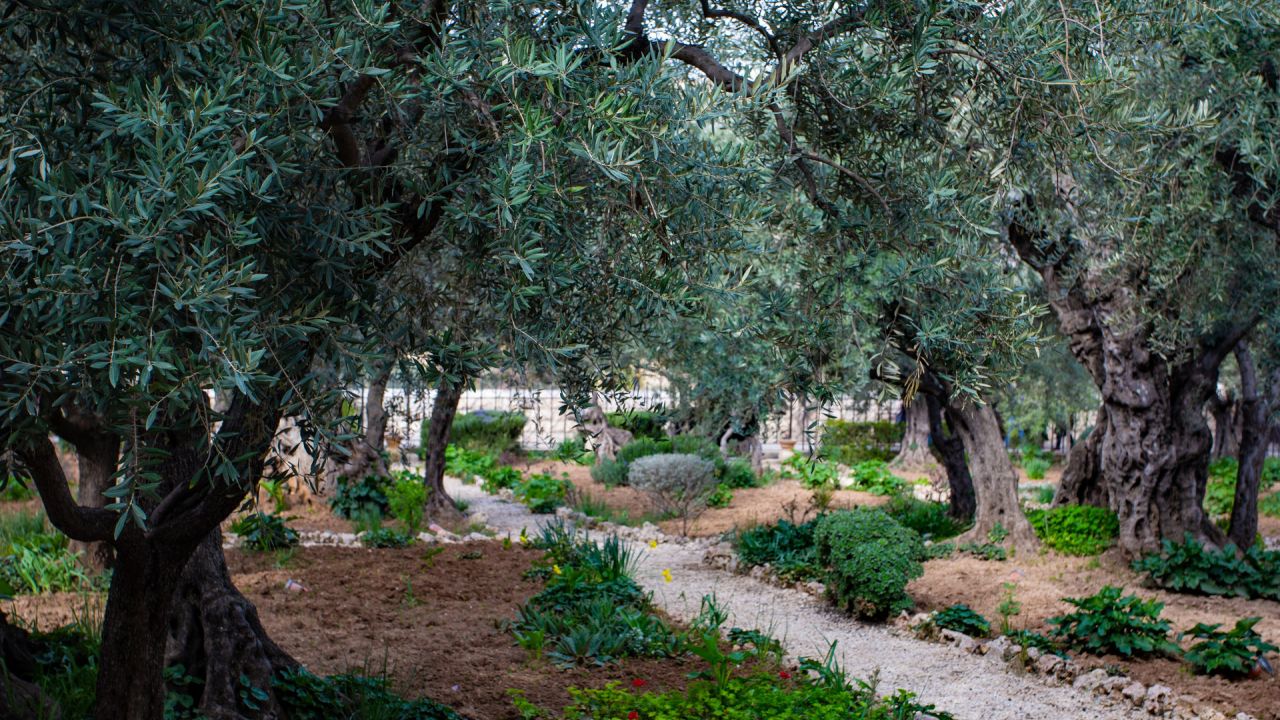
555,569
653,544
666,574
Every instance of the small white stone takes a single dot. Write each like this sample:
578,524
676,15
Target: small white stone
1135,692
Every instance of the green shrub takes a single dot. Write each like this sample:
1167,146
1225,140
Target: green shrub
385,537
786,547
1036,468
1220,493
873,476
1190,567
850,443
812,472
609,473
962,618
468,465
485,431
929,519
1044,494
500,477
1033,639
984,551
591,611
542,492
1230,654
642,447
615,472
869,559
407,499
760,695
354,499
1270,506
310,697
720,497
263,532
1029,453
696,445
640,423
1075,529
1107,623
66,665
678,484
574,450
737,473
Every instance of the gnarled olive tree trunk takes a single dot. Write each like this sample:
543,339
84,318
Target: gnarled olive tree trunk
950,450
914,452
1153,444
215,635
994,480
444,408
1081,482
20,697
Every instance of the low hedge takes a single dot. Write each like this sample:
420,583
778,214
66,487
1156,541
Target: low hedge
854,442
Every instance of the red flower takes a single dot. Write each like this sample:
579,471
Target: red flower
638,683
633,715
784,674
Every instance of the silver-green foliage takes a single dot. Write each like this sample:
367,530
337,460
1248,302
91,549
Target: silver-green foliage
679,484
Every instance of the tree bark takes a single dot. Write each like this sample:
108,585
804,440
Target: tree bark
1082,482
994,479
1256,403
215,635
444,407
950,450
608,440
133,643
914,452
1153,453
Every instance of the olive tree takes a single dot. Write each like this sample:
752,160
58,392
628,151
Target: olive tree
1148,208
209,199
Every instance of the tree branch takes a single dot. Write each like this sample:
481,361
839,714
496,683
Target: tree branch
74,520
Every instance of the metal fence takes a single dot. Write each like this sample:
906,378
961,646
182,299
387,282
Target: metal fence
549,423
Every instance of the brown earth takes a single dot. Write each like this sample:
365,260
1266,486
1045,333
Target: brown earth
432,623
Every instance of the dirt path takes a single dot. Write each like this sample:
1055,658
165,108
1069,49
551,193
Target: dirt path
967,686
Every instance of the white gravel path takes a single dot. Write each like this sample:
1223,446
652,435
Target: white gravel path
968,686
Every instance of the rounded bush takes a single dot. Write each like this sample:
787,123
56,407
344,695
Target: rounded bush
869,559
1075,529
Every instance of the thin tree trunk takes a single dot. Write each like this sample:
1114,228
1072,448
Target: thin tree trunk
1081,482
914,452
443,410
994,479
950,450
215,635
1255,407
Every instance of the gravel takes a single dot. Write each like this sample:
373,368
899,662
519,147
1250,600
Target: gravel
967,686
